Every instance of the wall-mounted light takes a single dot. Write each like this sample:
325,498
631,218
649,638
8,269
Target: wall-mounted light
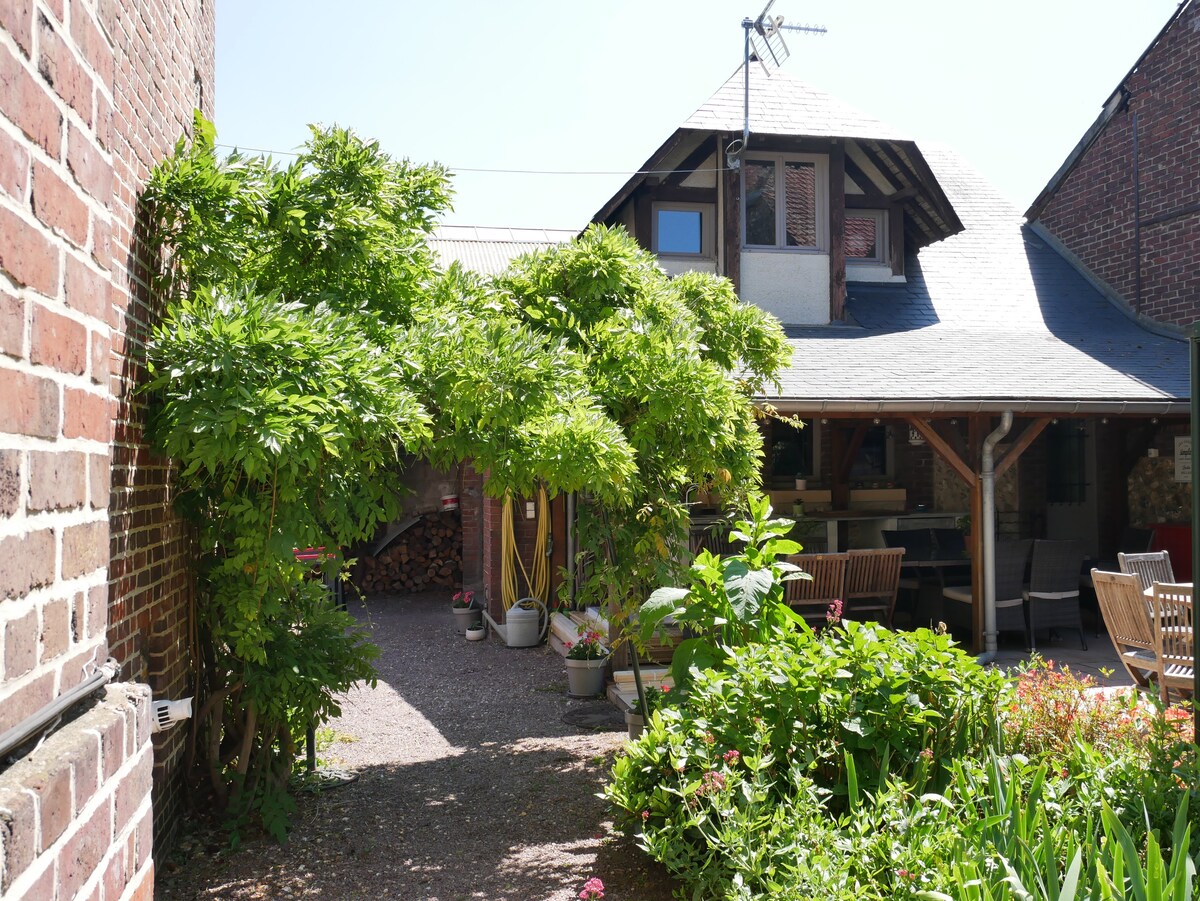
915,438
875,420
530,510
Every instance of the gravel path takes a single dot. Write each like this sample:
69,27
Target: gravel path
471,785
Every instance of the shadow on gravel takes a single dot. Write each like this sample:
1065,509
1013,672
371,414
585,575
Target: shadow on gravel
470,786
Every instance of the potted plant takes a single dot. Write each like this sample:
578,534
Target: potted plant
465,612
587,659
476,632
657,697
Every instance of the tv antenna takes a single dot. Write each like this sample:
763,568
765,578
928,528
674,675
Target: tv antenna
764,36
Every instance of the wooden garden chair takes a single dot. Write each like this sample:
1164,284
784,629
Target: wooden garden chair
811,597
1126,613
1171,610
1151,567
872,582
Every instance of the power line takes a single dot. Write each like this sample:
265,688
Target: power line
235,147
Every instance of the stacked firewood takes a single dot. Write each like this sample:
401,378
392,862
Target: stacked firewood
426,555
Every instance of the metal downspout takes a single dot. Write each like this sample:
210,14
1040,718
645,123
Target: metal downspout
40,720
988,477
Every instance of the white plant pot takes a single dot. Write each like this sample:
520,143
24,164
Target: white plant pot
636,724
585,678
476,632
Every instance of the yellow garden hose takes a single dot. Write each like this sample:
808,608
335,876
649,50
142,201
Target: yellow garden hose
510,557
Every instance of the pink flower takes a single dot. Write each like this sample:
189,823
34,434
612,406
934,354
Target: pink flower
731,756
593,890
834,613
645,815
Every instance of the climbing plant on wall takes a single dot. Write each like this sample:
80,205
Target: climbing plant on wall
308,341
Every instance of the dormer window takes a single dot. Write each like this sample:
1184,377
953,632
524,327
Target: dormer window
784,202
683,229
865,237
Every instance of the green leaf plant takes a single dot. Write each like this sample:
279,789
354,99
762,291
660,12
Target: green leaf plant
308,348
673,363
731,601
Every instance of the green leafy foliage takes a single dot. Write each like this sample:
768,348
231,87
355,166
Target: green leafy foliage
672,362
308,349
731,601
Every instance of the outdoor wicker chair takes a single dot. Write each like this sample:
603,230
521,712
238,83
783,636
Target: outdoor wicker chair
1052,598
1151,567
918,545
1171,610
872,582
1126,615
1011,559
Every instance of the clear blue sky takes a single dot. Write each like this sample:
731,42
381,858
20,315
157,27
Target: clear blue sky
597,86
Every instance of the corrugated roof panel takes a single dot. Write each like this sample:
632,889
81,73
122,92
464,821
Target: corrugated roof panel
489,250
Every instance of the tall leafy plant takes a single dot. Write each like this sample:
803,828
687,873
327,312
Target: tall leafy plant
673,362
731,601
308,347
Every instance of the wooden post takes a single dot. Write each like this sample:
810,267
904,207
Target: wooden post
731,199
837,232
977,428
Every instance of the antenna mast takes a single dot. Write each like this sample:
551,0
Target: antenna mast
765,37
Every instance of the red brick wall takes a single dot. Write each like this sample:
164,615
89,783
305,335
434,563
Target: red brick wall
163,70
1092,212
92,561
77,810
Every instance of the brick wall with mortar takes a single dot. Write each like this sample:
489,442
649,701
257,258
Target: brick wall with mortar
1092,211
75,815
92,562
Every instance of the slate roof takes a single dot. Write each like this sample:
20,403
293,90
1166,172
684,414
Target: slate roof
783,105
488,251
989,318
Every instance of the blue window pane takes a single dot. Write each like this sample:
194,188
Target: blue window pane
679,231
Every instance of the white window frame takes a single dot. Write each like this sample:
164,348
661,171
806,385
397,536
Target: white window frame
820,173
881,234
708,237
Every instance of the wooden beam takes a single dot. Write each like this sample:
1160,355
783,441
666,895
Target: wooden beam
976,550
837,233
642,225
944,450
846,463
690,164
783,144
681,195
896,238
1026,438
731,194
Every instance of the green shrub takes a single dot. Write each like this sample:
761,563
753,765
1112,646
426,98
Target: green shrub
794,733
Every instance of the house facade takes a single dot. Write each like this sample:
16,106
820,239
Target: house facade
935,336
1124,204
